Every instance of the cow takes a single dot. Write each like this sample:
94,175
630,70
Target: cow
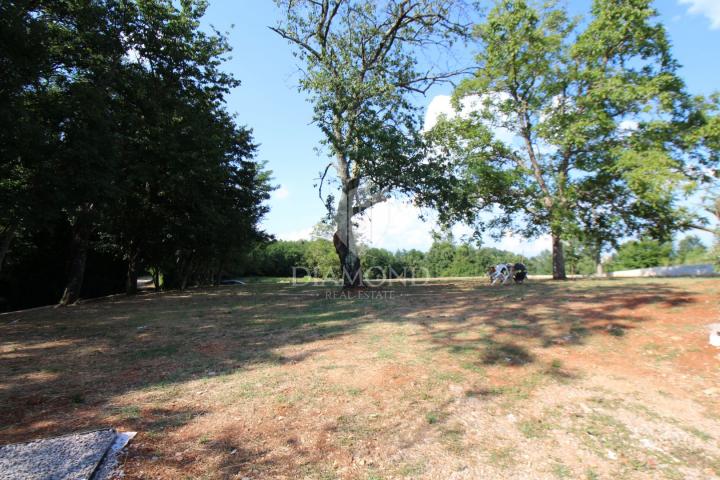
503,272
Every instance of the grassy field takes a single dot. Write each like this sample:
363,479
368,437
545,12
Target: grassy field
457,380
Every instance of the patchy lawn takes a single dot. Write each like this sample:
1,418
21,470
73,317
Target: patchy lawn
584,379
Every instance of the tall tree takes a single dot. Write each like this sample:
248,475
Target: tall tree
74,131
703,141
578,100
115,140
360,68
26,60
192,193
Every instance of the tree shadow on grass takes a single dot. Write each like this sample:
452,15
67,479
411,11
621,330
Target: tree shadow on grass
72,362
180,462
56,362
502,325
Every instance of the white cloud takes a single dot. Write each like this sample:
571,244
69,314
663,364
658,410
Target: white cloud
281,193
396,225
523,246
441,105
708,8
302,234
629,125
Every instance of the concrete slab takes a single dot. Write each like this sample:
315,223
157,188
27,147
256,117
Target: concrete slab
68,457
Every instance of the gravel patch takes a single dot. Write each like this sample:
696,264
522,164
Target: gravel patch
69,457
110,465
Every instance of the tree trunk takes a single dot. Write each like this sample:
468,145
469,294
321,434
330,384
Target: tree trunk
217,275
156,279
81,237
344,240
8,236
349,264
599,270
184,282
597,256
185,272
558,260
132,276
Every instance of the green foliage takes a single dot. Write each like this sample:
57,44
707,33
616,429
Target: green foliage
322,259
604,134
580,259
541,263
690,250
643,253
439,258
646,253
114,140
446,258
276,259
318,258
412,262
377,263
360,68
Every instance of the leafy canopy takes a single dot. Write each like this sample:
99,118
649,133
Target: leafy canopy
359,64
572,126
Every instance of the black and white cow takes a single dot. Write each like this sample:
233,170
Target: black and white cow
503,272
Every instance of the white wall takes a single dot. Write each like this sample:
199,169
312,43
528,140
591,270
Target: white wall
674,271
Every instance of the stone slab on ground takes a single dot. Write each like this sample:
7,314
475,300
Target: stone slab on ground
68,457
110,465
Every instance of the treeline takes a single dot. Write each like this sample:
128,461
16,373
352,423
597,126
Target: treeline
645,253
317,258
117,154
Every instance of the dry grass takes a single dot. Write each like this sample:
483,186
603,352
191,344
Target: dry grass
585,379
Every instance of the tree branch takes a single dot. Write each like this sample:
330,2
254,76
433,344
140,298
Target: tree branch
700,227
303,44
322,180
376,198
391,33
537,171
430,80
328,22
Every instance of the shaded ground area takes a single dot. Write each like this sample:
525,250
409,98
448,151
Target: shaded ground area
582,379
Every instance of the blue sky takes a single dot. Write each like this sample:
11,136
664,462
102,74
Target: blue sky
269,102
